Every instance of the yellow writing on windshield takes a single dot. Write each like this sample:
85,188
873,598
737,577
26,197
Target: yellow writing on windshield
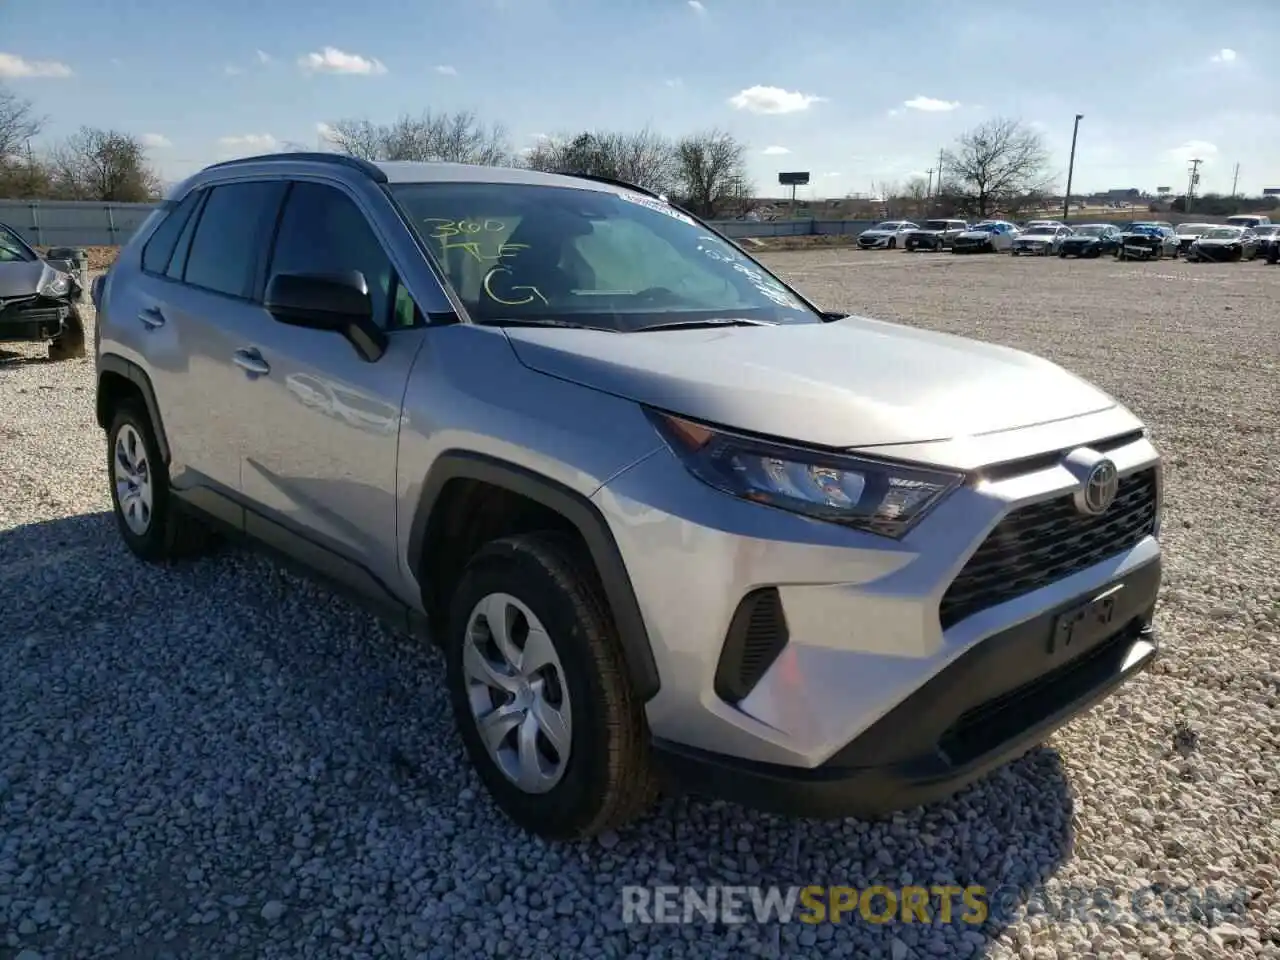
479,239
532,293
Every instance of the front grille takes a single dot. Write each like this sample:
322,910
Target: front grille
1042,543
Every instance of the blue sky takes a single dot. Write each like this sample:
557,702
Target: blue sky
854,92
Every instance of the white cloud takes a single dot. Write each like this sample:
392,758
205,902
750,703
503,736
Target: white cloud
772,100
775,151
157,141
1225,55
895,113
832,173
14,67
697,7
1193,149
231,70
250,141
333,60
930,104
446,71
263,56
325,132
674,82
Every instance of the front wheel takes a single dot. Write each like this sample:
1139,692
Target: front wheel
893,242
540,692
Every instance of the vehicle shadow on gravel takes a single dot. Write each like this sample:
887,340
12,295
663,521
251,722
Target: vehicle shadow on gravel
266,742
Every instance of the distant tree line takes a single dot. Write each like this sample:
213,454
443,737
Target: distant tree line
1000,167
90,164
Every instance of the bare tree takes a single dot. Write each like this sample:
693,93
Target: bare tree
711,172
915,195
94,164
996,162
454,137
644,158
18,124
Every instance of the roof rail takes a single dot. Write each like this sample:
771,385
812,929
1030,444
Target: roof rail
371,170
615,182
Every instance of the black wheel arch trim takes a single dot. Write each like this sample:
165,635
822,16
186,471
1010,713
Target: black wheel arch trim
112,363
578,510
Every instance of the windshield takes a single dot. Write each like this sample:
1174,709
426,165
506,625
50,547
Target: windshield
1037,231
888,225
13,249
937,225
1089,230
529,253
1195,227
1146,229
1224,233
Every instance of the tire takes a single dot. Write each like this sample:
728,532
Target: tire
893,242
167,534
1062,254
607,779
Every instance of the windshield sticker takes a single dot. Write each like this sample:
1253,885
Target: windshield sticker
658,205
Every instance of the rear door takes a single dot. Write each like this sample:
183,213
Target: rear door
193,301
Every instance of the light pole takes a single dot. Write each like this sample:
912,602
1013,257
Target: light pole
1071,168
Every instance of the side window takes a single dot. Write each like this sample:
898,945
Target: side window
323,231
159,249
230,235
178,262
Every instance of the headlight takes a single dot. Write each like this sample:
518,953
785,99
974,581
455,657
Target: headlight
875,496
53,283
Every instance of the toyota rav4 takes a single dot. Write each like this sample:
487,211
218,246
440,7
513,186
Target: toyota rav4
670,522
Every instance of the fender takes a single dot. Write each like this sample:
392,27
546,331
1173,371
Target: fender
585,517
113,363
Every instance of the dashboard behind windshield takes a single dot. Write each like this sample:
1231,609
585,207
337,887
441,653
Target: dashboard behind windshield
622,262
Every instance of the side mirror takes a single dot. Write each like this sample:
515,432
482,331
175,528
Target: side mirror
333,302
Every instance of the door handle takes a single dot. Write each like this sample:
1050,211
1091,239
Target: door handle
251,361
151,318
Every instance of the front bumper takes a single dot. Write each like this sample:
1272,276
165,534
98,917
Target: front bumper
866,621
1034,249
874,243
991,706
1091,249
33,319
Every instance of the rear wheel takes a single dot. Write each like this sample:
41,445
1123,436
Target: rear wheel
147,516
539,690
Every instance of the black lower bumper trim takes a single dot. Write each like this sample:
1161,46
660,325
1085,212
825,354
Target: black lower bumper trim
978,714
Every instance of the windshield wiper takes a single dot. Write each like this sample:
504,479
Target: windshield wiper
700,324
535,322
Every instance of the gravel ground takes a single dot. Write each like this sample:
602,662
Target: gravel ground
221,760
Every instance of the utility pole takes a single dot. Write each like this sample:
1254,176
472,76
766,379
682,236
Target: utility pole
1191,184
928,191
1071,169
1235,179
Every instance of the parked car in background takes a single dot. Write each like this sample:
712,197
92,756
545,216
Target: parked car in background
1268,236
1224,244
38,298
1043,240
649,604
1042,223
885,236
934,235
1147,241
989,236
1187,233
1248,220
1090,240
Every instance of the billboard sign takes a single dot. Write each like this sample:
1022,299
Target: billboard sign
793,179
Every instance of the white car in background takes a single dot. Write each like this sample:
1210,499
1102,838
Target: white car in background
1042,240
989,236
1030,224
885,236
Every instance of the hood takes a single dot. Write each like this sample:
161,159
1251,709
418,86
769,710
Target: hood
1081,238
852,383
20,279
1218,241
878,233
975,232
1035,237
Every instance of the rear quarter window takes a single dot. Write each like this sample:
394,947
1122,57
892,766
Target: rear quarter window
159,248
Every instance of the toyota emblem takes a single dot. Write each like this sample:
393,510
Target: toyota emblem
1099,489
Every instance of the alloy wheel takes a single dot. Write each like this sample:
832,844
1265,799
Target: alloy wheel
132,477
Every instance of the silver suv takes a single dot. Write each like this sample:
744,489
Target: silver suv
669,522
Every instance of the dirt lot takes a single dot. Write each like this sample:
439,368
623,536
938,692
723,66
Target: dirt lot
221,760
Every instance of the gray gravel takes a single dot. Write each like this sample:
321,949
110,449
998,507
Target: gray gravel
221,760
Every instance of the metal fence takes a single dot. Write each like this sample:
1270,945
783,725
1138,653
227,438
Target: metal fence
67,223
73,223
